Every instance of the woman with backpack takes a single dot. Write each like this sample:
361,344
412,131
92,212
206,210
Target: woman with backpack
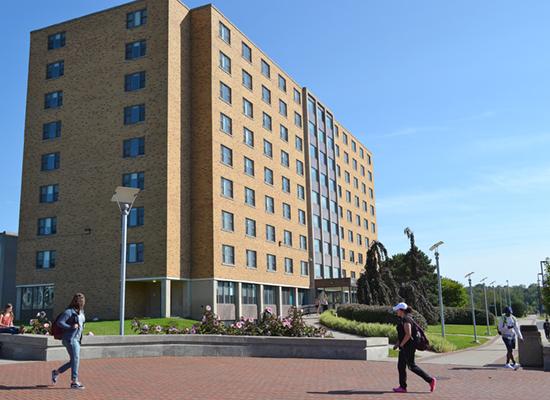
407,331
71,323
508,327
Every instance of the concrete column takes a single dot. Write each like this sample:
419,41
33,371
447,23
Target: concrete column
279,300
214,296
261,304
165,298
186,298
238,300
296,297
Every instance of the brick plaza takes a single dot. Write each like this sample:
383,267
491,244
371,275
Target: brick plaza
257,378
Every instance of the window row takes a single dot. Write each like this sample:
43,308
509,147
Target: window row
226,293
228,258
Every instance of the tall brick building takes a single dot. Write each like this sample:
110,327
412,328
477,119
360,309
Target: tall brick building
252,193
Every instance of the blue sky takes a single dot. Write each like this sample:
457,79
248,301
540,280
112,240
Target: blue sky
453,99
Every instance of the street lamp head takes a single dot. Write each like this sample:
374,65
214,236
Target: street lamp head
125,195
435,246
468,275
492,283
483,280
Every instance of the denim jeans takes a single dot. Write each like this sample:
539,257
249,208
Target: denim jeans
13,330
73,348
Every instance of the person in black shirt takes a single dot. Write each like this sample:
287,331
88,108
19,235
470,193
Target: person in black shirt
405,334
546,327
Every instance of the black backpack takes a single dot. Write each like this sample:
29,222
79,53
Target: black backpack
419,337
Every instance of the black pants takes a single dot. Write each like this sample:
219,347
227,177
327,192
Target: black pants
406,360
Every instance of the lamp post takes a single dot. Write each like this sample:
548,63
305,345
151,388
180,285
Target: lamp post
541,311
543,282
469,276
486,306
435,248
494,296
124,197
508,298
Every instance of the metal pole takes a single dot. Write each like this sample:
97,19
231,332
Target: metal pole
125,210
473,308
500,300
441,306
495,298
540,295
486,309
509,299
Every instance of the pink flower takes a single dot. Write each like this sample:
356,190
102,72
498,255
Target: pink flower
32,321
269,310
239,325
158,328
46,325
208,308
90,334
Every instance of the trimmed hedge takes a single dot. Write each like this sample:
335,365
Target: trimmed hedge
375,314
463,316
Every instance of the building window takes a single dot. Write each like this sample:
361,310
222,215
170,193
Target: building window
302,217
228,254
268,176
136,18
298,143
288,295
248,137
269,295
246,52
297,120
50,161
134,253
266,95
299,168
226,155
285,184
270,233
225,93
53,100
49,193
304,270
303,242
225,33
370,176
136,49
227,188
371,210
55,70
136,217
226,292
266,121
134,180
282,83
289,265
134,147
56,41
300,192
248,108
266,69
249,293
271,263
283,133
287,238
226,124
285,159
282,108
134,81
134,114
228,221
251,259
47,226
248,166
225,63
250,226
297,96
250,197
287,211
51,130
247,80
45,259
269,204
268,149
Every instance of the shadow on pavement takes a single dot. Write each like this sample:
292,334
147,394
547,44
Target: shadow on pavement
363,392
33,387
486,368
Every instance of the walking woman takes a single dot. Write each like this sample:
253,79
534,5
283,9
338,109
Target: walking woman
508,327
405,333
71,321
6,321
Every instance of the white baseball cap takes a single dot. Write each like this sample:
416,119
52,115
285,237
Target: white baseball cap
401,306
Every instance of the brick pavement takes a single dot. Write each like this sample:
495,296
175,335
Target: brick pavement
261,378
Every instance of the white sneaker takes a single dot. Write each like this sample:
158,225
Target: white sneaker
516,367
508,366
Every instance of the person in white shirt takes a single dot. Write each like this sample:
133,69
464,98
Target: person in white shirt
508,327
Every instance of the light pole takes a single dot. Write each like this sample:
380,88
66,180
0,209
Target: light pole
494,296
508,298
541,311
543,282
435,248
124,197
486,306
469,276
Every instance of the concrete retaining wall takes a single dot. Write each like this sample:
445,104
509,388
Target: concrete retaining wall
546,357
45,348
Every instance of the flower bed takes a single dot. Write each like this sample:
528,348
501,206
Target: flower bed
268,324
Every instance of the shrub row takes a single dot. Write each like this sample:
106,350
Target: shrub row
463,316
337,323
375,314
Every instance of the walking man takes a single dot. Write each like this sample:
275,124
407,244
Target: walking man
546,327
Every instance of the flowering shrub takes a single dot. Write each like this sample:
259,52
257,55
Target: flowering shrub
268,324
40,325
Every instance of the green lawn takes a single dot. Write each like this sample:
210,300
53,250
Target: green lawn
463,330
112,327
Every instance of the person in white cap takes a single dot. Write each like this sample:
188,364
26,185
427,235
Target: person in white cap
406,332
